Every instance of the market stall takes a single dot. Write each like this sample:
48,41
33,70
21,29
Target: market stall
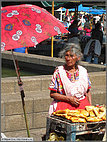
69,124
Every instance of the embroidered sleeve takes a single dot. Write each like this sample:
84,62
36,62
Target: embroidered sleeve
89,83
54,84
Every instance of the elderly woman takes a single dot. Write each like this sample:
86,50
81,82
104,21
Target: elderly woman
70,85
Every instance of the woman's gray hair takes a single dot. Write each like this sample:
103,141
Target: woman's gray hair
74,48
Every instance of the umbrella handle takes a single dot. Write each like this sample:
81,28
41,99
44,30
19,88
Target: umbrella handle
17,70
23,104
20,83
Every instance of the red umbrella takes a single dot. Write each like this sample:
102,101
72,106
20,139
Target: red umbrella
24,26
27,25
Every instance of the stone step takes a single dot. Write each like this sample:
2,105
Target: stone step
13,123
36,134
11,103
97,78
41,83
43,64
30,83
37,106
34,101
38,95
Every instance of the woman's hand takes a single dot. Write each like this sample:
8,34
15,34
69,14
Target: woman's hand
69,99
74,101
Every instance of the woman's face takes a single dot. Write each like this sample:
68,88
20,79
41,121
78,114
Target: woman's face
70,58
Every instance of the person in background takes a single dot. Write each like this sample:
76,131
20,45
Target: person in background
73,31
70,85
69,19
105,25
87,28
80,25
97,18
93,24
82,19
65,22
21,50
93,47
97,33
91,21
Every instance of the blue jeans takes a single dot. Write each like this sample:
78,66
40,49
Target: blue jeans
89,58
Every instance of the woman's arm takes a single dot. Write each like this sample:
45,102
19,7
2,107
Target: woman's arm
63,98
88,94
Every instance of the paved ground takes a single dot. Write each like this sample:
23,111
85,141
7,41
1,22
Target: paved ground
35,134
38,135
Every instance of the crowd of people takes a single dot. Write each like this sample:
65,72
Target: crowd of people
87,30
92,27
86,21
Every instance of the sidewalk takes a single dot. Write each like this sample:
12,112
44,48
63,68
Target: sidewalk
35,134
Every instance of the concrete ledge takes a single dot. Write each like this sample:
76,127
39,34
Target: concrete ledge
99,98
42,64
36,134
17,122
33,105
12,118
31,58
33,83
41,83
97,78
